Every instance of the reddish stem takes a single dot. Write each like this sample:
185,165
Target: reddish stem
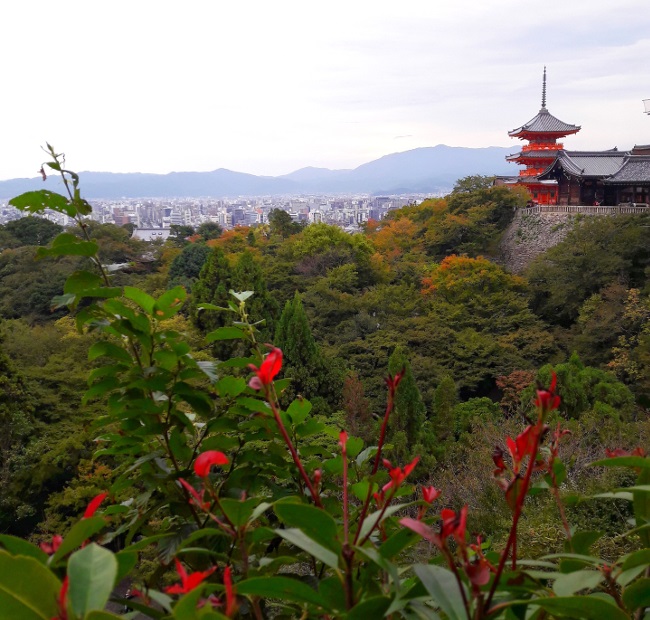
375,467
292,450
512,538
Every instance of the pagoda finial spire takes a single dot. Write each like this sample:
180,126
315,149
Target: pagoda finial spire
544,88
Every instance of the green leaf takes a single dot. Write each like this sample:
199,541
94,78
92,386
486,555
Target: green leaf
581,542
582,607
637,558
38,201
28,590
585,559
300,539
298,410
146,302
79,533
100,389
282,588
18,546
374,607
399,541
242,296
354,446
443,587
92,572
638,594
67,244
366,454
626,577
567,584
80,281
101,615
225,333
313,522
108,349
623,461
169,303
642,504
230,386
371,521
239,511
360,489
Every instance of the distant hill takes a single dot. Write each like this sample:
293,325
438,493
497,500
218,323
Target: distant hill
429,169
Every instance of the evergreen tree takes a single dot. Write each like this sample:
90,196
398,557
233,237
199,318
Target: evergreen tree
186,267
407,429
444,401
212,287
311,375
247,276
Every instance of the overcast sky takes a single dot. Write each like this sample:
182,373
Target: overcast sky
271,86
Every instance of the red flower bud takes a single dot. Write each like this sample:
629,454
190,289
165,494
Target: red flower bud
188,582
454,524
430,494
547,400
267,371
51,547
206,460
94,505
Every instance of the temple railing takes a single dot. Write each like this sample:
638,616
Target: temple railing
587,209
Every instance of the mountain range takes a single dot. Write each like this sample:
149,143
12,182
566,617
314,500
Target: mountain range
423,170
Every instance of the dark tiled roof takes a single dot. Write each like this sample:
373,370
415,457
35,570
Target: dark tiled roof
635,169
533,154
588,163
545,122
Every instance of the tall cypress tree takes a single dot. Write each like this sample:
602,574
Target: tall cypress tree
311,375
407,422
213,286
444,401
443,420
247,276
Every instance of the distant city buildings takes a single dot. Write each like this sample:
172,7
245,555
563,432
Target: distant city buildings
153,217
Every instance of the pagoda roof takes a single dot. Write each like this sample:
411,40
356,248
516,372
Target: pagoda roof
541,154
635,169
544,122
587,163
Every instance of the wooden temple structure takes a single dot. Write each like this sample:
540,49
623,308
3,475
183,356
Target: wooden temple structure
542,134
555,176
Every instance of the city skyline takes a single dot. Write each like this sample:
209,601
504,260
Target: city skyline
270,88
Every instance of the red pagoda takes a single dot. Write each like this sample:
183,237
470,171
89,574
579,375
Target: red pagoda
542,134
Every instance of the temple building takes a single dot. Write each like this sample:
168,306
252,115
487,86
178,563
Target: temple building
606,178
554,176
542,134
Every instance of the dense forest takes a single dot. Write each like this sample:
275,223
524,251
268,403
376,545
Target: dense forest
421,294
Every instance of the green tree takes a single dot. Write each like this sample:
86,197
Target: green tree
179,233
212,287
186,267
472,183
247,276
282,224
311,375
597,252
584,388
209,230
407,422
32,230
444,401
16,417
